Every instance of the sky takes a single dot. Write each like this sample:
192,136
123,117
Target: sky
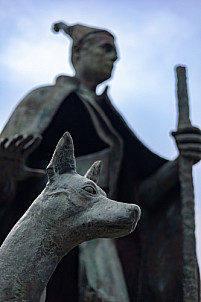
152,38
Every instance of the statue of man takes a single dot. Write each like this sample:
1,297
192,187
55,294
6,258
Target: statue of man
151,257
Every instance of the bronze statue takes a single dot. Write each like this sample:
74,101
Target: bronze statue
151,259
71,205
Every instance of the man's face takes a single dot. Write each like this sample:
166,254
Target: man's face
96,57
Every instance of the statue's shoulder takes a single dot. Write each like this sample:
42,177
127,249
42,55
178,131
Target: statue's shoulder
37,93
38,107
64,80
63,83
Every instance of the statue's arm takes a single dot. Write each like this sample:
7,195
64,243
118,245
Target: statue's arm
164,179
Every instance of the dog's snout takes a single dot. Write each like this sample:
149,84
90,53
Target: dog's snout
135,215
134,211
137,212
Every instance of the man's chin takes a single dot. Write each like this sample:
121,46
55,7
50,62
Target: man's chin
105,77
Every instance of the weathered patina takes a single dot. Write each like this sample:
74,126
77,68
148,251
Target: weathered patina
152,258
70,210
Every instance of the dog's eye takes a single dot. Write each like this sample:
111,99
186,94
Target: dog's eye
90,189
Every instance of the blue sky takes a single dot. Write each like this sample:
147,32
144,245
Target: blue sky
152,37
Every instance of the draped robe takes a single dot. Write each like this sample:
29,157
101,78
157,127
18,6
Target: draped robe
151,256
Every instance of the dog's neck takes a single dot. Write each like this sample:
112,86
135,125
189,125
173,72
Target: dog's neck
32,254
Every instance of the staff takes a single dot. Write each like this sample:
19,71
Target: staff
190,268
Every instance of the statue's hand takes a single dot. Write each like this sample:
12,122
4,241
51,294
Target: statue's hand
13,155
188,141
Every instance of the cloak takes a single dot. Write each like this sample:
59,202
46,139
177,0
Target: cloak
151,257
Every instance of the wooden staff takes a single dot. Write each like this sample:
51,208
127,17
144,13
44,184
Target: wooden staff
190,268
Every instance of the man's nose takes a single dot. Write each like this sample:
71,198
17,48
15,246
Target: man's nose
114,56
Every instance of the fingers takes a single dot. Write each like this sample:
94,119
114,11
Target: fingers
12,143
186,138
25,140
3,142
31,144
18,142
188,141
21,144
190,147
189,130
19,147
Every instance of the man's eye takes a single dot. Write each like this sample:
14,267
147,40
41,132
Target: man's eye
90,189
107,47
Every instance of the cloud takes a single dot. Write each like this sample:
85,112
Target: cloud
27,59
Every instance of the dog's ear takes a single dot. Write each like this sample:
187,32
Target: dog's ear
94,171
63,159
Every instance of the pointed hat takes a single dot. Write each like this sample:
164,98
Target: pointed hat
78,31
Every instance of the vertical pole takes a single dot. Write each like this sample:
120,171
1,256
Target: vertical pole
190,275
